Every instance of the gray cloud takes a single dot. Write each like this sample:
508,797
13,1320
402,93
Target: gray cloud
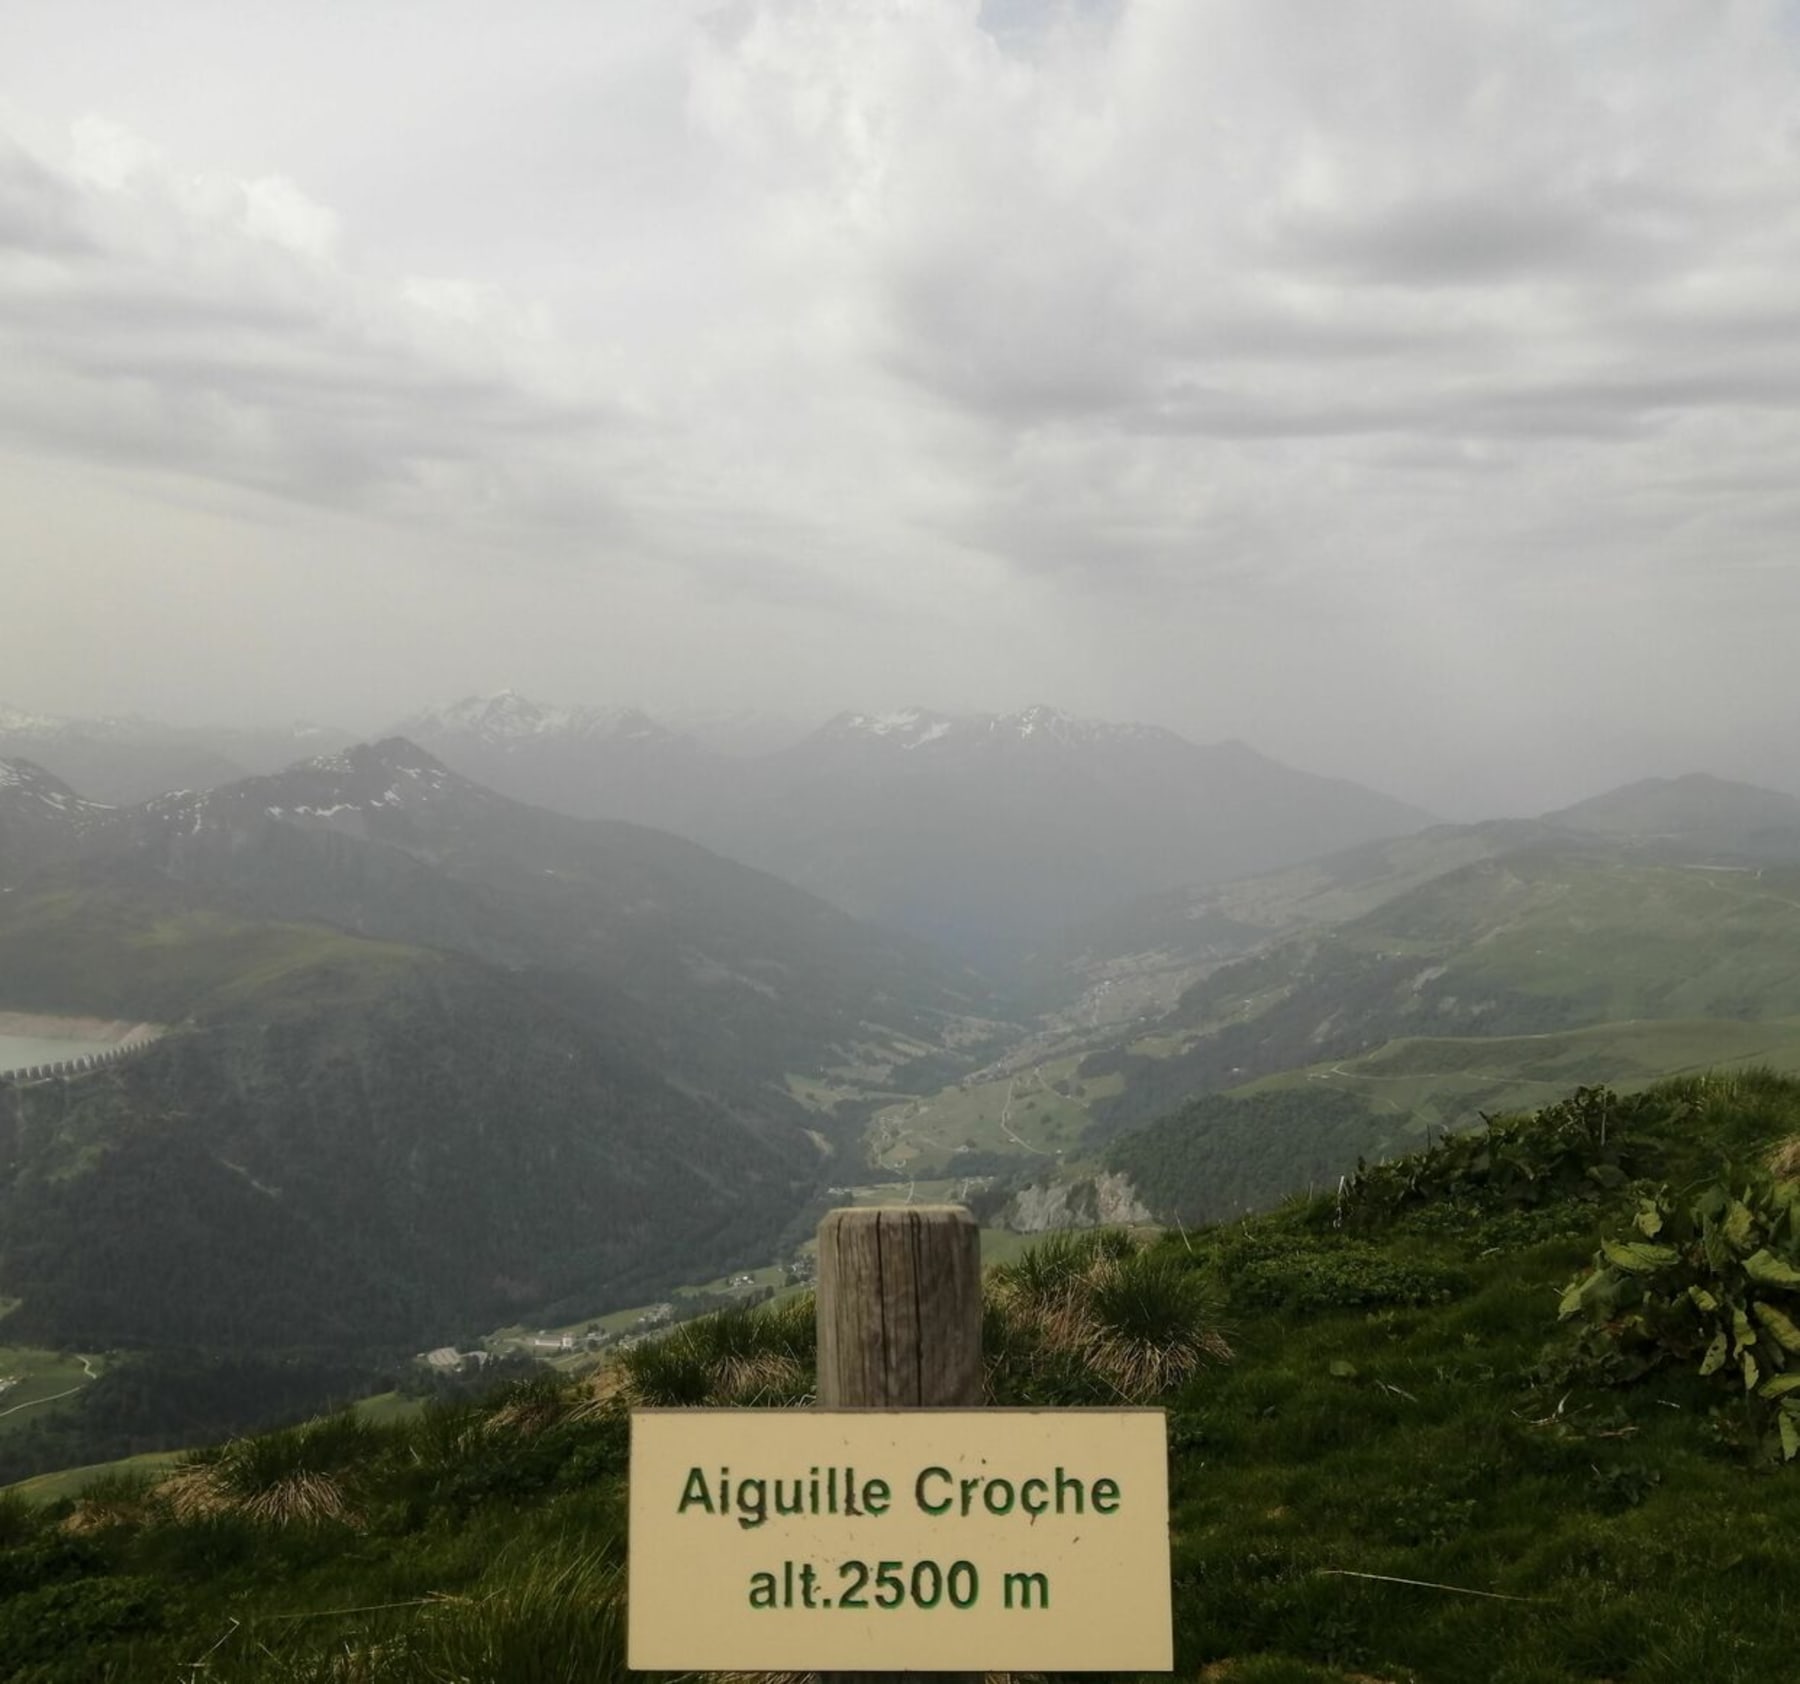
36,217
1461,242
204,327
810,355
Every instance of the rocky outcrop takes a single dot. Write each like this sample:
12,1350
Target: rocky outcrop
1097,1201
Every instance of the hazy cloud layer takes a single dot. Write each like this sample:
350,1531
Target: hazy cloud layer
1411,389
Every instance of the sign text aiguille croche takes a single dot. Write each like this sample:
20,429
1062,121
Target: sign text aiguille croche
979,1540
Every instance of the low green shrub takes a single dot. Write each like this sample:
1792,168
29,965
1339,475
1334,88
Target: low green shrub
18,1519
1711,1285
54,1630
45,1557
1582,1148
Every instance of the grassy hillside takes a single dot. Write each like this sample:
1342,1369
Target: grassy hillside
1131,953
1533,943
1451,1081
1432,979
1616,939
1130,958
31,1380
1390,1458
1734,819
1251,1145
1224,1154
68,1484
154,952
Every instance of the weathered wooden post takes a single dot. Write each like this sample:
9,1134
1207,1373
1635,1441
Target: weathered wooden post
900,1309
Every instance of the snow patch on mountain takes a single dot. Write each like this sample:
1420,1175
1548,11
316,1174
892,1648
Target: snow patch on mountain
334,790
906,728
33,783
1040,724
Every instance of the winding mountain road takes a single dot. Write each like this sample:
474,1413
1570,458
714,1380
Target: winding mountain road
87,1368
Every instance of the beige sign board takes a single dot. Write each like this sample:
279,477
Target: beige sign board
981,1540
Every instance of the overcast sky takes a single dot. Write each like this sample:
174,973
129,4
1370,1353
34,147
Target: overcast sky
1409,388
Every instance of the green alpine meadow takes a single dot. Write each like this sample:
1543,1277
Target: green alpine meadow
1522,1408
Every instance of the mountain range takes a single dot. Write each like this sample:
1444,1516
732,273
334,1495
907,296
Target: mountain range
438,1054
993,836
989,835
435,1056
119,759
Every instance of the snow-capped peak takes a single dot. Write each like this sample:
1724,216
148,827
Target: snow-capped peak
905,728
344,790
1039,718
1043,723
503,716
362,760
914,727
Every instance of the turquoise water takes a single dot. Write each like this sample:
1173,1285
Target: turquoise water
21,1052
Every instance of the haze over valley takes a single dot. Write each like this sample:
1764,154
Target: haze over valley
414,1057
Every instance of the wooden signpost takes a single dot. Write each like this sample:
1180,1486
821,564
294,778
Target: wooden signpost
900,1309
900,1528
